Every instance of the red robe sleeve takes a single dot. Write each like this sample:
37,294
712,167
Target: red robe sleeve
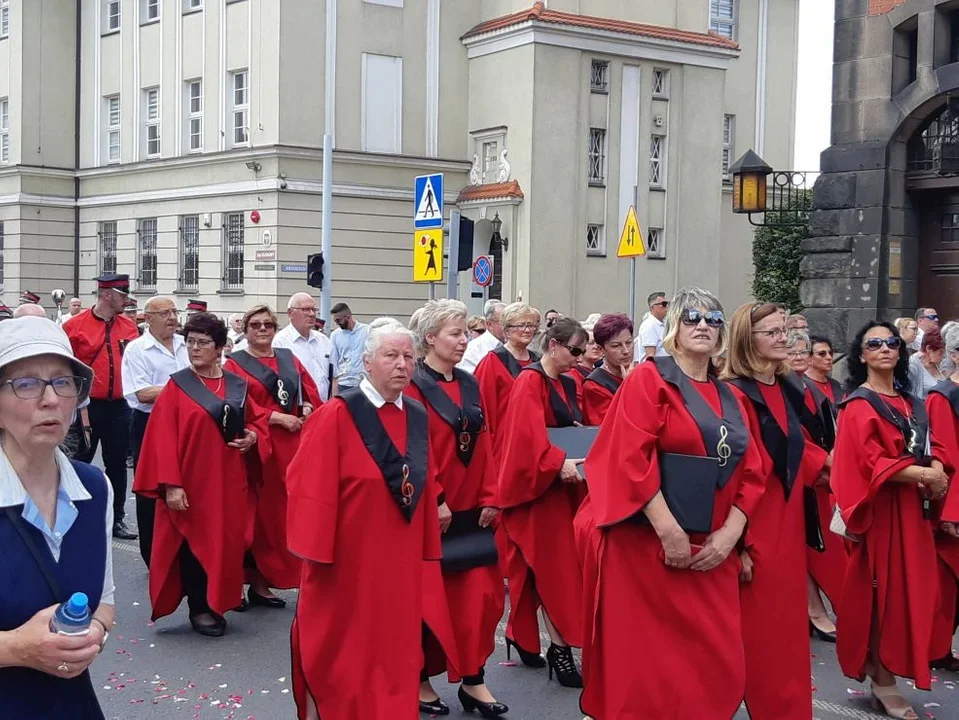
494,389
577,377
623,465
258,420
159,464
432,546
868,452
945,448
313,483
752,480
596,402
529,464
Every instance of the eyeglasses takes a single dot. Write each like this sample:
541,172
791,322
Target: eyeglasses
692,317
776,334
308,310
30,388
875,344
823,353
258,325
931,317
198,343
661,303
573,350
163,313
523,326
796,355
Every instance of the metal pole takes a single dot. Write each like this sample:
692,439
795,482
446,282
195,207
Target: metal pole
452,279
632,290
326,292
432,291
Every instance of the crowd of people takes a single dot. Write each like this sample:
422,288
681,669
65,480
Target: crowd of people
397,472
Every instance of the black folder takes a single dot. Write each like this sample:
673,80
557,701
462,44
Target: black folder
688,484
466,545
814,538
576,441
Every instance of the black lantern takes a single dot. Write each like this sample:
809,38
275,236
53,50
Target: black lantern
497,238
749,183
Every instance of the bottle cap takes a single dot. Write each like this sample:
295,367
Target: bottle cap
77,606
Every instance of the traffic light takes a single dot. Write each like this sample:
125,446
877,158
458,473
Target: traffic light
465,258
314,270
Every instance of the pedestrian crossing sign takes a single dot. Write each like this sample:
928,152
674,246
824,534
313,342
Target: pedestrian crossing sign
631,240
428,201
428,255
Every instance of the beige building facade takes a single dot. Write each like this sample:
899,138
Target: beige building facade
185,146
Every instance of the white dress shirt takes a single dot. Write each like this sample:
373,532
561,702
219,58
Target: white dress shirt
147,363
651,333
313,352
477,349
69,492
373,395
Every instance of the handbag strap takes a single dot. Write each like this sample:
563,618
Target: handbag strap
51,579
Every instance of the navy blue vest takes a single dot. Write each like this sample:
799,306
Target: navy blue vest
26,693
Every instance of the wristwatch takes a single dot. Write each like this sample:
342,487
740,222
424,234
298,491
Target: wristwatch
106,634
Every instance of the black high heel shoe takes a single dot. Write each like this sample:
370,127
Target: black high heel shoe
533,660
487,710
262,601
561,660
829,637
434,707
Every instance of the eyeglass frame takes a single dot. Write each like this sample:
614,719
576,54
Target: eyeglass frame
80,383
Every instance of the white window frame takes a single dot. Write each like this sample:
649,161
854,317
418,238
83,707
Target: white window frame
596,156
599,76
111,16
657,161
240,104
724,18
1,256
4,131
107,246
388,3
729,145
595,240
189,246
146,249
4,19
191,5
656,243
151,122
149,11
660,83
396,145
193,137
112,116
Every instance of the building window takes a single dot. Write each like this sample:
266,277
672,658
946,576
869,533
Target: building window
657,154
233,252
655,247
108,247
661,83
189,252
241,107
599,76
150,10
4,19
194,116
1,255
113,128
382,98
4,131
490,160
147,254
192,5
722,17
151,121
111,15
390,3
595,241
597,156
729,134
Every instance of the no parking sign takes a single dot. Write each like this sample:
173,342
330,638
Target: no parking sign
483,271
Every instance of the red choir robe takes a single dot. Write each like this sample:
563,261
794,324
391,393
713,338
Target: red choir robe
475,598
944,425
268,491
597,398
183,447
578,375
356,638
774,608
677,617
537,517
896,550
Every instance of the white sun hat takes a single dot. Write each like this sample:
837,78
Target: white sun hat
29,336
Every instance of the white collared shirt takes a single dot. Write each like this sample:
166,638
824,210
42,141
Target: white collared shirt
373,395
147,363
651,333
313,352
69,492
477,349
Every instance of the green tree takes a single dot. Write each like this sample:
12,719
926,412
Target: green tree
777,253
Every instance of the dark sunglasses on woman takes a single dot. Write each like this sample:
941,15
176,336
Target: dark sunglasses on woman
573,350
892,343
713,318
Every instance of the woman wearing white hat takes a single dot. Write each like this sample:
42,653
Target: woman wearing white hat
56,517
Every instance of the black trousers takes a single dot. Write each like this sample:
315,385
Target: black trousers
146,507
110,421
194,581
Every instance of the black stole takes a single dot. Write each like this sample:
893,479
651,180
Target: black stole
510,363
949,390
226,413
725,438
604,380
284,385
785,449
825,417
583,371
565,414
466,421
914,429
405,475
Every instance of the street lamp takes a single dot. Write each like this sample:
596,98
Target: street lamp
497,238
749,183
789,204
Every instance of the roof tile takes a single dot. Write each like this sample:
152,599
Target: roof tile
491,191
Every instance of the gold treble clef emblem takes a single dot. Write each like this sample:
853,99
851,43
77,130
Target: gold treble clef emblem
723,451
226,416
913,439
281,394
406,488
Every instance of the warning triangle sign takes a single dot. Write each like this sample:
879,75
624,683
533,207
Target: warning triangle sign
631,242
430,207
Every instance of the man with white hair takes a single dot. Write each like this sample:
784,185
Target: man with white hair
480,347
312,348
74,309
235,331
29,310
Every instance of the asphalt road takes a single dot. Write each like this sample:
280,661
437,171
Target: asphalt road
167,671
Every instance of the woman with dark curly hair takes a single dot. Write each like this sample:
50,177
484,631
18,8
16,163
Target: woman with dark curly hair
194,461
884,478
613,334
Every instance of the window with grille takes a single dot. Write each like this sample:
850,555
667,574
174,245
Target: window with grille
595,241
722,17
108,247
597,156
151,121
192,4
1,255
655,248
599,76
194,119
4,131
111,15
490,160
189,252
657,155
661,83
729,128
151,10
233,252
241,108
147,254
113,129
4,19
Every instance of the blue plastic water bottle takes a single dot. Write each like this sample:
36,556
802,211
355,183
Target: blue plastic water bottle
72,617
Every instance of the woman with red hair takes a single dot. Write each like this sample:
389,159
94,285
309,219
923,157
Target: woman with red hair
614,335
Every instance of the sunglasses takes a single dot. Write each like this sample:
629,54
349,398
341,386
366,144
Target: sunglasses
573,350
661,303
931,317
692,317
875,344
256,325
